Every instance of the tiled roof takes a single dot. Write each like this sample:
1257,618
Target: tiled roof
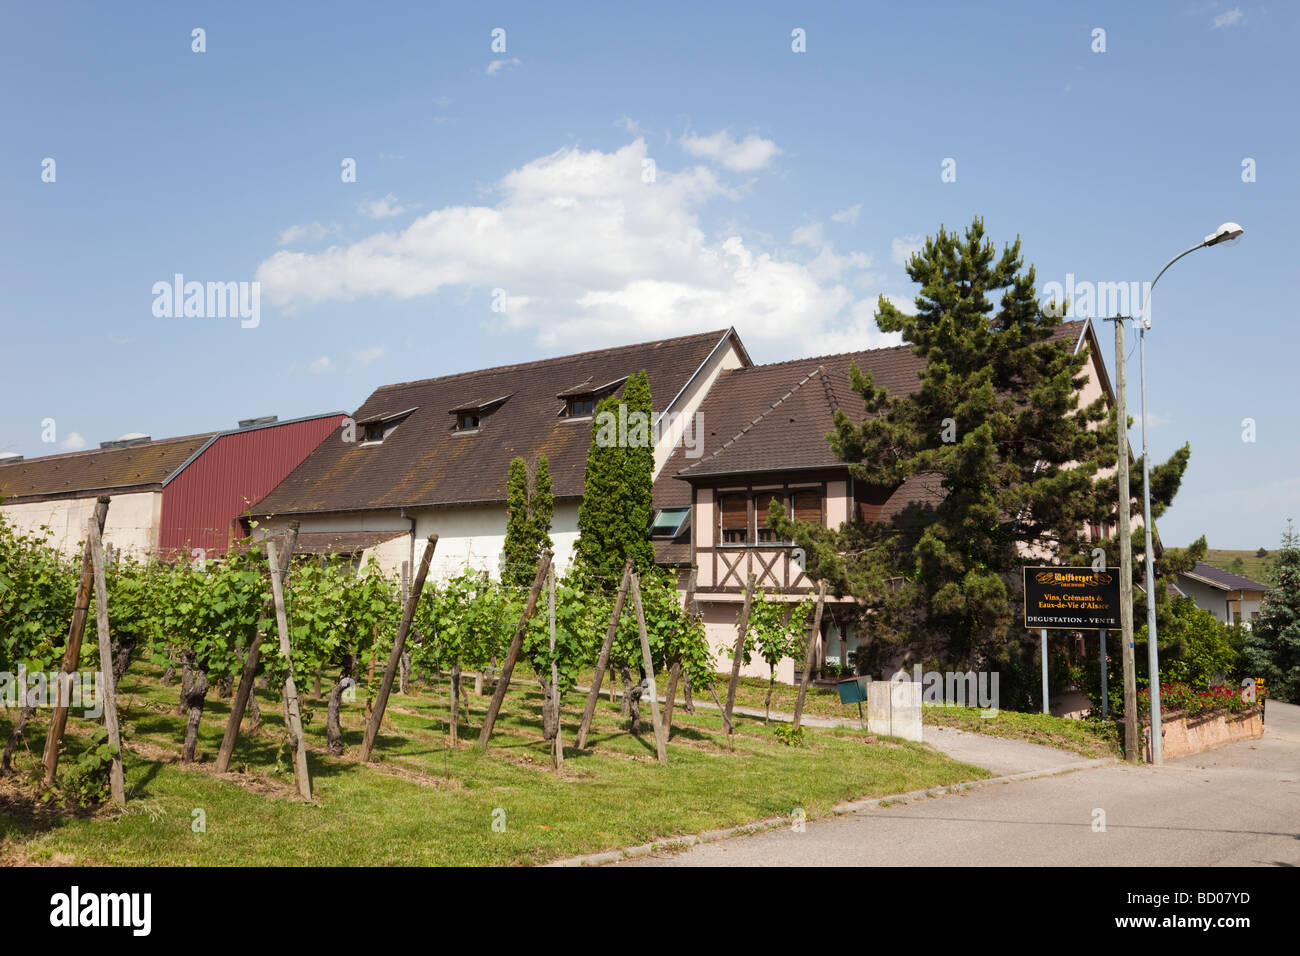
99,469
777,417
1223,580
424,462
342,542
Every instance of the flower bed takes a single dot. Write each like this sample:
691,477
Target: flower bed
1184,700
1196,720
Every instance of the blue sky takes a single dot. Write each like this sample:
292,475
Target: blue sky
785,192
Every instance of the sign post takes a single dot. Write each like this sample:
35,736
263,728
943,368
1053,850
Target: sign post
1071,599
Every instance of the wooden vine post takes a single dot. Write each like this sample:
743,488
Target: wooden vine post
293,717
810,654
117,786
602,662
249,673
648,664
508,668
738,654
557,742
72,649
399,647
675,672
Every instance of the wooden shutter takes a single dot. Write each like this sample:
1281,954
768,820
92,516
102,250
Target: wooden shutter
807,506
869,501
733,512
762,501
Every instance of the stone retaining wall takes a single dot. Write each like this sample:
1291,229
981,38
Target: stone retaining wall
1184,735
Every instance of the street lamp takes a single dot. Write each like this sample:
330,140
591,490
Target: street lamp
1228,232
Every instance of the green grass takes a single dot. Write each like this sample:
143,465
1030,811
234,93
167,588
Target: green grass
1255,568
428,804
1089,738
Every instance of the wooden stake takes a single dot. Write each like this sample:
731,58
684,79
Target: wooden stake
814,636
116,784
602,662
399,646
741,627
508,668
292,716
675,672
249,673
557,743
649,669
72,649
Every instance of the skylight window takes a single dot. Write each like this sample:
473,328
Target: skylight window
668,522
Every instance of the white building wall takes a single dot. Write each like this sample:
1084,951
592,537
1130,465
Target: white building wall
131,527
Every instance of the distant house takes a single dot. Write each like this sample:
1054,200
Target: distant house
765,437
1231,598
167,497
433,456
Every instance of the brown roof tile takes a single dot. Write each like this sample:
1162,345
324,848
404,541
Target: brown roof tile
777,417
424,462
99,469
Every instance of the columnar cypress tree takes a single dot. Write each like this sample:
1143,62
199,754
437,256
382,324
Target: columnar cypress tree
617,505
529,509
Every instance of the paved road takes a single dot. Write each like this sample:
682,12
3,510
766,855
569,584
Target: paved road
1237,805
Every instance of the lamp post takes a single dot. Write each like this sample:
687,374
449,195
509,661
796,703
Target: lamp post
1227,232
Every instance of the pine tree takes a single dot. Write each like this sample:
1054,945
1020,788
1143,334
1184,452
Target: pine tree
530,506
995,430
617,503
1272,649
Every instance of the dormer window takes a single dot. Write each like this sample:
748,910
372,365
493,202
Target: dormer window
470,416
378,427
581,406
580,400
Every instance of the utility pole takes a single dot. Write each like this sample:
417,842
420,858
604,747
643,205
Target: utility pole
1125,552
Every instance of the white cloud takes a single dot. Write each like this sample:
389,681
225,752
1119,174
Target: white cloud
751,153
496,66
381,208
369,354
1155,420
312,232
901,249
1229,19
320,365
848,216
586,253
74,442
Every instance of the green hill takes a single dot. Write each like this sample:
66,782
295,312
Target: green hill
1251,566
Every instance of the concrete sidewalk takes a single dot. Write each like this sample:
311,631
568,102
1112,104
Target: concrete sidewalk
1232,806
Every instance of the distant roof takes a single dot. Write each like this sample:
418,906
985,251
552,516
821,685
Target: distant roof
140,465
1223,580
100,469
426,462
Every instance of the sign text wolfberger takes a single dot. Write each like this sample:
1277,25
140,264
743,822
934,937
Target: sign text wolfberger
1071,598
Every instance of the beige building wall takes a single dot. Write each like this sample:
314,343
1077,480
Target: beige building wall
131,527
687,404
